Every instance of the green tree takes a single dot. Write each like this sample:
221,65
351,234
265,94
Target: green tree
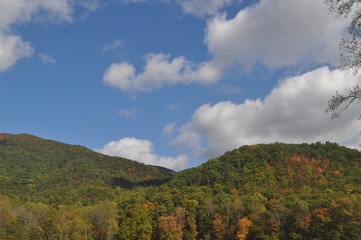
137,223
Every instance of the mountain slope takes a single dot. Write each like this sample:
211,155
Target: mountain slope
276,191
44,170
278,165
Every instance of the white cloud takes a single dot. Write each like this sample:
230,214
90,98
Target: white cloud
23,11
276,33
293,112
130,113
46,58
141,150
113,46
203,8
12,48
159,71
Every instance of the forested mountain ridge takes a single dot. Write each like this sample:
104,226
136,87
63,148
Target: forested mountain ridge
264,191
36,169
278,191
262,165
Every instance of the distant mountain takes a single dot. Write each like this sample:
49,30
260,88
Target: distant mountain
36,169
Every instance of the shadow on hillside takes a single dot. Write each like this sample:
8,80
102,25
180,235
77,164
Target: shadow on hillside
124,183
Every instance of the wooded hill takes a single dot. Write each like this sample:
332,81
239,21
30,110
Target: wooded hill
36,169
265,191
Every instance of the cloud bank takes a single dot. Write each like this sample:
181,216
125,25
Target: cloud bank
292,113
141,150
276,33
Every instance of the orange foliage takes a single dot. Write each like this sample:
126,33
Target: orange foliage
323,214
306,221
219,226
169,228
243,228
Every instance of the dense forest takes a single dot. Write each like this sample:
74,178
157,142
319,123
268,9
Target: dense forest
51,190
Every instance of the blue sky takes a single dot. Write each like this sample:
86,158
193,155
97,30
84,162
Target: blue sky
172,83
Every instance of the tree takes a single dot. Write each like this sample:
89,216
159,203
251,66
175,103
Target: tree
243,228
169,228
351,56
137,223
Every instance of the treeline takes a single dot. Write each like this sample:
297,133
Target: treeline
273,191
189,214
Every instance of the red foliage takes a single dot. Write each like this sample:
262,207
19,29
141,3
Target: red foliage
219,226
306,221
274,227
323,213
169,228
313,170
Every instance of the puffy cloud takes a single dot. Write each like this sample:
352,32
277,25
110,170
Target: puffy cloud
158,72
276,33
141,150
22,11
12,48
203,8
293,112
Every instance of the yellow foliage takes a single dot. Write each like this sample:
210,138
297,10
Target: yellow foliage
243,228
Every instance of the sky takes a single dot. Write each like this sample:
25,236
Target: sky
173,82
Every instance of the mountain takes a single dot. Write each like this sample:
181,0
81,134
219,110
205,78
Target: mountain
277,191
277,165
264,191
36,169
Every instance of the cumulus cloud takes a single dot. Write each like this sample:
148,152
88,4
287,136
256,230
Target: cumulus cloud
159,71
12,48
22,11
276,33
293,112
141,150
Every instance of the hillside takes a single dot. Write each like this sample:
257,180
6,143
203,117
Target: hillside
264,191
265,166
277,191
52,172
